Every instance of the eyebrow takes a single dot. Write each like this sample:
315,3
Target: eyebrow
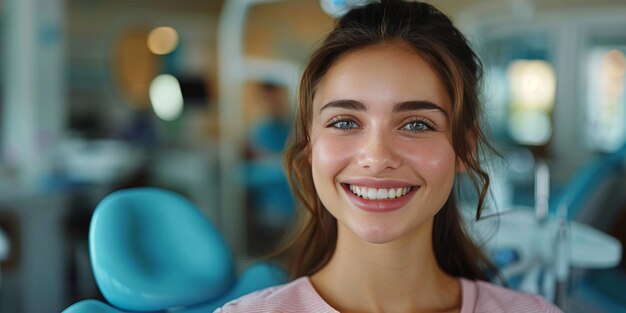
415,105
344,104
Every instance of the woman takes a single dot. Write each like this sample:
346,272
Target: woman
387,117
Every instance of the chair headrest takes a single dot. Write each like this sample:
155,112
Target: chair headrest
152,249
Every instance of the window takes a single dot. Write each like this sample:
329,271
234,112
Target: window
520,88
606,101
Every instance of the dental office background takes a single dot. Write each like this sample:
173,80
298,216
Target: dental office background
101,95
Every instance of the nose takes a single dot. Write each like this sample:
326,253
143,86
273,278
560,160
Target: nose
378,152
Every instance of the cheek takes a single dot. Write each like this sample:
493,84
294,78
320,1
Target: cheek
434,160
328,157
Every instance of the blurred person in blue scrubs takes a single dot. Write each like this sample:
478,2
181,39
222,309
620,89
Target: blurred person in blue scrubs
270,203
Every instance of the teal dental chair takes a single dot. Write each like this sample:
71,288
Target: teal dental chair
153,251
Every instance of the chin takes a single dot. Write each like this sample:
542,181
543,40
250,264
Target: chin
380,231
377,234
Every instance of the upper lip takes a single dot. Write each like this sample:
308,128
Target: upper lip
378,183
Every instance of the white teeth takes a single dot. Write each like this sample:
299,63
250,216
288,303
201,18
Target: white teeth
376,194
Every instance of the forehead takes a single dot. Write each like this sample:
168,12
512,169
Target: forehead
383,74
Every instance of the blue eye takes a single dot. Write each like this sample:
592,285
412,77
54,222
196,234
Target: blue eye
343,124
417,126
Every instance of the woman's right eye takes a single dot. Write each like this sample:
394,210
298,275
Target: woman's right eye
343,124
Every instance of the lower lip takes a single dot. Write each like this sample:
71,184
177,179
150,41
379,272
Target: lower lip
386,205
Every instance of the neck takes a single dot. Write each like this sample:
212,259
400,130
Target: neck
400,276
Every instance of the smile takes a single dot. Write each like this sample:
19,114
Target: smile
379,193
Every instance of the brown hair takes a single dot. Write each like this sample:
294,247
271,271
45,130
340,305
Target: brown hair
435,38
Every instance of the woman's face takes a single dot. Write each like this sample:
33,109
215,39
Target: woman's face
381,153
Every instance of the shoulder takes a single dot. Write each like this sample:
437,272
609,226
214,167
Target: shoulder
296,296
488,297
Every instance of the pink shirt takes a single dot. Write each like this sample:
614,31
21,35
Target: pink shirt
300,296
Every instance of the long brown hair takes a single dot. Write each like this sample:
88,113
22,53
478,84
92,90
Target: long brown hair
435,38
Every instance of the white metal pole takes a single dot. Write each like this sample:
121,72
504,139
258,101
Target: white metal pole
231,76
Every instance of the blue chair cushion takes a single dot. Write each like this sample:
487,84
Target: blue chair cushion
152,250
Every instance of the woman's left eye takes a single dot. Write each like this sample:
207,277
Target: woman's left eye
417,126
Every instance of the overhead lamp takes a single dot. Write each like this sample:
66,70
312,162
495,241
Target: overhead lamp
162,40
166,97
337,8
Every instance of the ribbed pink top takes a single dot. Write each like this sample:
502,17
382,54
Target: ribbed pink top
300,296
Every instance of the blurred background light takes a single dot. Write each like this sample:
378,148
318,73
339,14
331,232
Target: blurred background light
615,63
162,40
166,97
531,127
533,84
606,106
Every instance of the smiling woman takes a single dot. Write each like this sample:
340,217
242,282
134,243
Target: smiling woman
386,119
392,136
